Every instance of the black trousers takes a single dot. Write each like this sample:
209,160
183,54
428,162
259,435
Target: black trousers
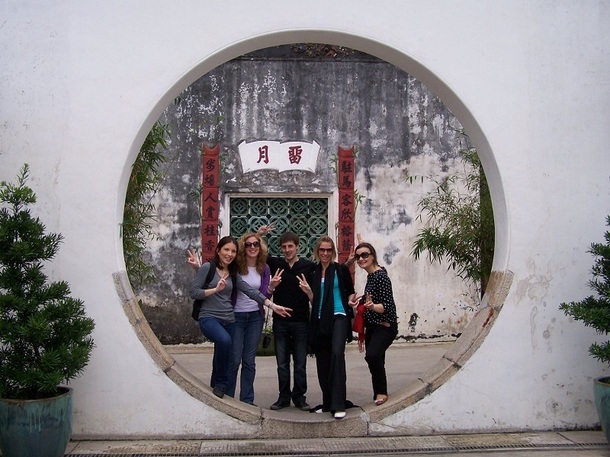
377,340
290,340
330,362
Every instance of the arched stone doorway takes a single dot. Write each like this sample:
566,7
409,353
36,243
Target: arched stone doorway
451,361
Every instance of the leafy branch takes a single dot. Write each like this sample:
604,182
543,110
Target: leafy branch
594,311
459,224
139,213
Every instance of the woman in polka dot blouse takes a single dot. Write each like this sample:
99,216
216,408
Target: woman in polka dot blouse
380,320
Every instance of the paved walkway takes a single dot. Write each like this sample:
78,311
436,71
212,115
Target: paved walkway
559,444
405,361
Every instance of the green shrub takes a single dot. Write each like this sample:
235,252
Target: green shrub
45,337
594,311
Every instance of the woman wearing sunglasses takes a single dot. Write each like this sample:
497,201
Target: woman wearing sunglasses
380,321
217,316
249,315
332,298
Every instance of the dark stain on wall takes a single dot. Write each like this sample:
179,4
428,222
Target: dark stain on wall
413,322
390,253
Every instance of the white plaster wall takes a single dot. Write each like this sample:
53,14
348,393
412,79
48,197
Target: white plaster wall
82,82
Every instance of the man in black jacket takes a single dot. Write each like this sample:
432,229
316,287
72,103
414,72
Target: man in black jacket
290,333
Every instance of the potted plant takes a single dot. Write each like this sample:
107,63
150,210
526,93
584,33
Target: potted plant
594,311
45,336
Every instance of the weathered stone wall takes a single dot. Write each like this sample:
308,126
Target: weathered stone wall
397,126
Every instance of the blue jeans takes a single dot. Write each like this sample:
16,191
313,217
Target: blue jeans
221,334
248,329
290,338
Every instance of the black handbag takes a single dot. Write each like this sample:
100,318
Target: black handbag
197,303
266,340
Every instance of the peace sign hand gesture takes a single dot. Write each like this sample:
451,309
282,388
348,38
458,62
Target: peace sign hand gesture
222,283
265,229
192,259
305,287
276,279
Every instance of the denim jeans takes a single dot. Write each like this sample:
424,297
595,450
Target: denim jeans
221,334
290,338
248,329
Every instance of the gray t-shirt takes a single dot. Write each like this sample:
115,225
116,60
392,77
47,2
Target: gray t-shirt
218,305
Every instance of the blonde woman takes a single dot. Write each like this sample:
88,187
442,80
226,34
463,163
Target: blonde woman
249,315
332,299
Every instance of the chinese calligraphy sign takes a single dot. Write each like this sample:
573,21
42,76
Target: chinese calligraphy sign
275,155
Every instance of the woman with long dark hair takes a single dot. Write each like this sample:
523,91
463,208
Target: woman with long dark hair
216,316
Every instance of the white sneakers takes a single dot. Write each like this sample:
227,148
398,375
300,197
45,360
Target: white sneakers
320,409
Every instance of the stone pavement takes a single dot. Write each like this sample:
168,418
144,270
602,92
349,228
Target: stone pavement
405,362
559,444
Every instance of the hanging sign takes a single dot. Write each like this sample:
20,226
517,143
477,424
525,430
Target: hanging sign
275,155
347,203
209,201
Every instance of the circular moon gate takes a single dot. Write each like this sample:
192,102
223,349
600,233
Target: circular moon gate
500,281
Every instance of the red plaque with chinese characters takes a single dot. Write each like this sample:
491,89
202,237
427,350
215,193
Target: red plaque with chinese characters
346,204
210,167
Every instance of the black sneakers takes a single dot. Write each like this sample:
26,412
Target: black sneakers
302,405
279,405
219,392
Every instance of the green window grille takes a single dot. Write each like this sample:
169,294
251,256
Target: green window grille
307,217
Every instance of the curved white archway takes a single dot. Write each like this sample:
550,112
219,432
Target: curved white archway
499,282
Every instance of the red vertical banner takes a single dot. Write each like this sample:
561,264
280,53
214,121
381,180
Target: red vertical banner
347,204
210,167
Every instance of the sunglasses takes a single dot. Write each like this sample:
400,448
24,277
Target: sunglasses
254,244
325,249
363,255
